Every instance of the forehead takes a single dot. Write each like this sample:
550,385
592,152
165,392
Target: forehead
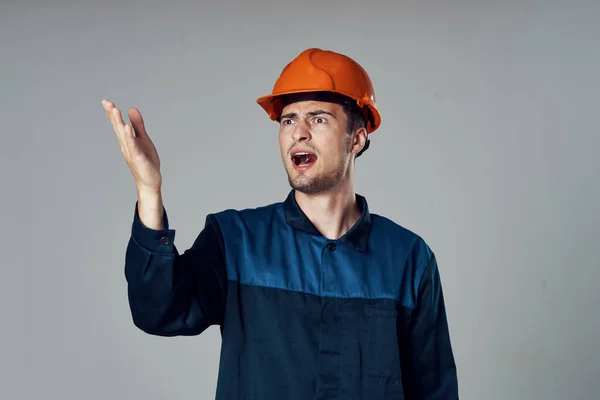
300,107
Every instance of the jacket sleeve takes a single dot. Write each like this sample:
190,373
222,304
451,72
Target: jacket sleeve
170,293
432,369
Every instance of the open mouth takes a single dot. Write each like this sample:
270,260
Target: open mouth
303,159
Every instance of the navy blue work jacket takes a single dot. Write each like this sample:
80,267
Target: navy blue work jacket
301,316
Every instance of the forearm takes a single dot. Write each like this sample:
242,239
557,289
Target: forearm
150,208
152,293
171,293
432,365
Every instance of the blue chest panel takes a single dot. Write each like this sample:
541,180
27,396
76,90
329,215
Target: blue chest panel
261,249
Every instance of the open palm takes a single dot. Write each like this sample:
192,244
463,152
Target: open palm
138,150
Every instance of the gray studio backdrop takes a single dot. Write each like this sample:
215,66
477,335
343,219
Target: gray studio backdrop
488,149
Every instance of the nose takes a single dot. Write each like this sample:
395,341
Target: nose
301,132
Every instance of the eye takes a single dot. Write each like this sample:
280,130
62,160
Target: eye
286,122
320,120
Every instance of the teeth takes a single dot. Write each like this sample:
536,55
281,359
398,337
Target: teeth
301,154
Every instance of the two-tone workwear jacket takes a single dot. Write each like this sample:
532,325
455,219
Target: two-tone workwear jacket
301,316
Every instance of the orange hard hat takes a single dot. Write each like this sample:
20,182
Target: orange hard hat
316,70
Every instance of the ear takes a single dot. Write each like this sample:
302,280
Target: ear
359,140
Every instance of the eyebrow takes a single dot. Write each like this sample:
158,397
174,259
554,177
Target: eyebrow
310,114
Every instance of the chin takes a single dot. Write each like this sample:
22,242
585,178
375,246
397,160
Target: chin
299,182
307,185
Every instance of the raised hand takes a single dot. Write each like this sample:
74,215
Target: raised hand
143,162
137,148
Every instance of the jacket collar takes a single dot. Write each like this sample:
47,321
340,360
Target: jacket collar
357,237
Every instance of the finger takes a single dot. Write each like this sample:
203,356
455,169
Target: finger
106,103
119,128
109,108
131,144
138,123
128,135
114,115
118,121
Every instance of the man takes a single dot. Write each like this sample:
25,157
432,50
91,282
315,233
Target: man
316,297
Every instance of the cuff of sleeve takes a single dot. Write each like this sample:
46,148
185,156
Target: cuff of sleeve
158,241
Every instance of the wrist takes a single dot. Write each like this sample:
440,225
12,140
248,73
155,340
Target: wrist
150,208
148,192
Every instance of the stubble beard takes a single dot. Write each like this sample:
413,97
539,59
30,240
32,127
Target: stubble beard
319,183
322,182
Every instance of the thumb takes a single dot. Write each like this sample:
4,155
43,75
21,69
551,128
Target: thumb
137,122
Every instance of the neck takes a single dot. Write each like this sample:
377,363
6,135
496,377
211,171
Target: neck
333,213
